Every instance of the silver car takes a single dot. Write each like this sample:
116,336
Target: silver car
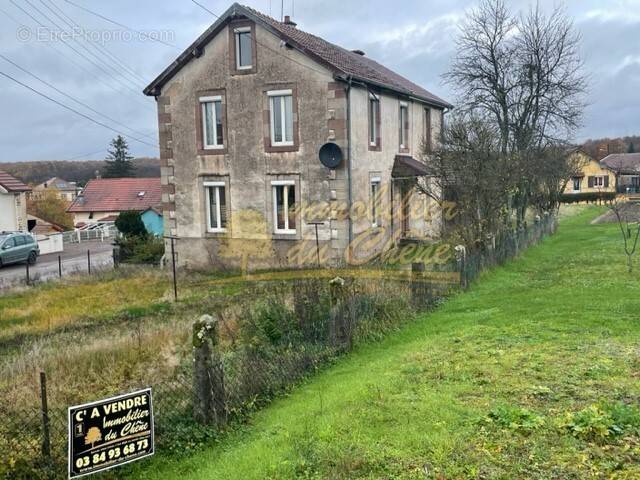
18,247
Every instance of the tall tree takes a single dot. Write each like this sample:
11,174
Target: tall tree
522,73
632,148
52,208
118,163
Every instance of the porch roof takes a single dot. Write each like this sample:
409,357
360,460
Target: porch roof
407,166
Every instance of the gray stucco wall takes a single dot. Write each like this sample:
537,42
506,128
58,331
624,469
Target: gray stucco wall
247,168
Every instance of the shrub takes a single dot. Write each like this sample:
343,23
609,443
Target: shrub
130,224
515,418
142,250
591,197
599,423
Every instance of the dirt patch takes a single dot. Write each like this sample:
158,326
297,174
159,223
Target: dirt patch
629,212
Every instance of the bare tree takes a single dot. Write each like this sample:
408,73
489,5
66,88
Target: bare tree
523,74
470,170
629,236
555,166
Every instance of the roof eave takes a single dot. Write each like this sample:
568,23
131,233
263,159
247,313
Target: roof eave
196,48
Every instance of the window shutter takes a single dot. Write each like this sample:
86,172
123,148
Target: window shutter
606,181
590,182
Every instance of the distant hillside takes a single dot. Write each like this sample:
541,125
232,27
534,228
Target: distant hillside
602,147
74,171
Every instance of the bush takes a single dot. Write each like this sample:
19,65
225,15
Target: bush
515,418
590,197
143,250
599,423
130,224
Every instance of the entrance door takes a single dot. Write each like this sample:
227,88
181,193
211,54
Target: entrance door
405,191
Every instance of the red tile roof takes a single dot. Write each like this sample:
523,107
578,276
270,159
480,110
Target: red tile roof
12,184
344,63
118,195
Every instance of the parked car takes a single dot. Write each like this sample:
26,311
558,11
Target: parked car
18,247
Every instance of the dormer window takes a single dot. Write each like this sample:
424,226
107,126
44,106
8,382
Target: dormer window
243,48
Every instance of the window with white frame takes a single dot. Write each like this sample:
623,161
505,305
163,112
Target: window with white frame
281,117
375,201
374,120
284,206
216,206
212,129
404,125
598,182
244,53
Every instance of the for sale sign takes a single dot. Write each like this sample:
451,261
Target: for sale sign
109,433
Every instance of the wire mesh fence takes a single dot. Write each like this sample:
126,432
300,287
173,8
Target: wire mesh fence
252,352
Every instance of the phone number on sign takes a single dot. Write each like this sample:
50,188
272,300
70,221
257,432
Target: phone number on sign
112,454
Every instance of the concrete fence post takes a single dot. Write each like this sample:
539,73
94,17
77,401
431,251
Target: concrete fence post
209,402
340,322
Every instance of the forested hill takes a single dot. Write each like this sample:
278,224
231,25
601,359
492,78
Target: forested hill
74,171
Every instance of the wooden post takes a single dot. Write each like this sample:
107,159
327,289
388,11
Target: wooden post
419,290
46,436
209,402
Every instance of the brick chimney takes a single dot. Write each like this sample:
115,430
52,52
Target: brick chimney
288,21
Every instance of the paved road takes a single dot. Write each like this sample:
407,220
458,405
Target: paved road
74,260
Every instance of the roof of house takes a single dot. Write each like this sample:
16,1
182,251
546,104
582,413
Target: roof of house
57,183
12,184
118,195
623,162
344,64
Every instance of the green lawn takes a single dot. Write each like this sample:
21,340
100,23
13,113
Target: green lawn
532,373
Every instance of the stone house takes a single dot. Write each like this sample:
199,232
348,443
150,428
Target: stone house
13,203
243,114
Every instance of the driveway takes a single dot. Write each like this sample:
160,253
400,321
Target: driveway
74,260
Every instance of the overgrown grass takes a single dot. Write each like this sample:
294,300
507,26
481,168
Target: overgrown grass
532,373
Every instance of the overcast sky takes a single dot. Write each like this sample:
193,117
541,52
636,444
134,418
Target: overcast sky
413,37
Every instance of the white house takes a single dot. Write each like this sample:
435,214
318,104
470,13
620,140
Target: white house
13,203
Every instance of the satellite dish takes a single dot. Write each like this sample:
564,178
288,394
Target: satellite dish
331,155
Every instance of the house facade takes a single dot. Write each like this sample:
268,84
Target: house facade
103,199
593,178
13,204
63,189
243,115
627,169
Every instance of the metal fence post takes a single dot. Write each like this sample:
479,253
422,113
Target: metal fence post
89,261
60,266
46,435
209,402
28,274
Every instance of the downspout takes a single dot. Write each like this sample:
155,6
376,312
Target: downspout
349,170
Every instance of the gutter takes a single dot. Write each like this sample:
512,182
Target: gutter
349,164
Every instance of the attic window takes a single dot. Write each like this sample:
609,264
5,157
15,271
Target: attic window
244,54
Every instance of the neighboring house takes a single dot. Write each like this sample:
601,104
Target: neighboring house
102,200
38,226
153,221
627,169
13,204
243,114
65,190
594,177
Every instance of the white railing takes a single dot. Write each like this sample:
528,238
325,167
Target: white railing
102,233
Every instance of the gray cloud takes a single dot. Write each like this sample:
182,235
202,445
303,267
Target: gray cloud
414,37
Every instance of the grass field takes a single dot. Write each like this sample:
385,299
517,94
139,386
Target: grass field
532,373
